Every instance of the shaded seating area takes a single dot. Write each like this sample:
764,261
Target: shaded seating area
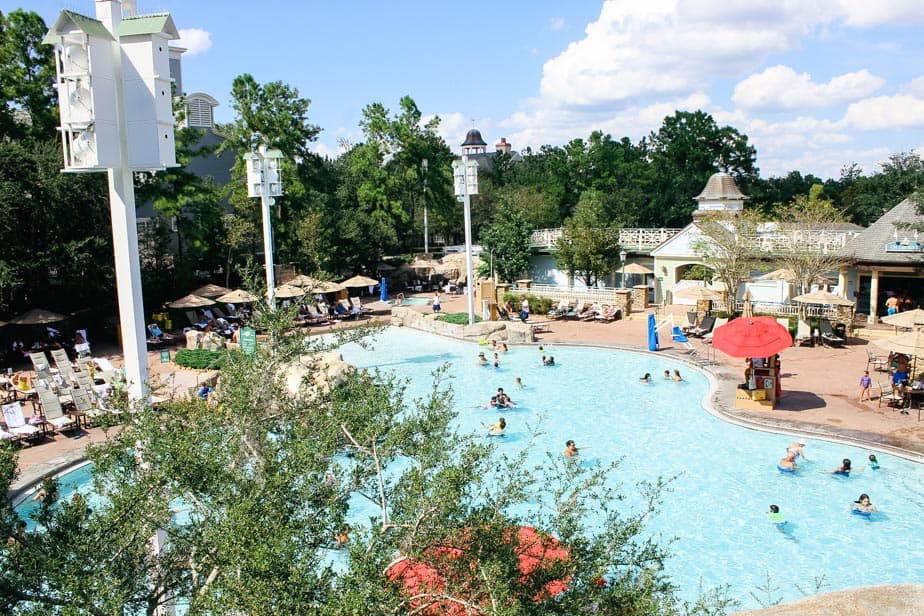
828,335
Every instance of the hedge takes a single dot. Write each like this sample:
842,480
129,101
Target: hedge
201,359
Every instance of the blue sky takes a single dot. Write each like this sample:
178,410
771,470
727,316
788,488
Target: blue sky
815,84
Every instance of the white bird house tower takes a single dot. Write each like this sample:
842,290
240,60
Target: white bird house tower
264,172
111,67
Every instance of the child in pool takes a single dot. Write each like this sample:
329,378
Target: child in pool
843,469
863,506
873,462
497,428
775,516
519,383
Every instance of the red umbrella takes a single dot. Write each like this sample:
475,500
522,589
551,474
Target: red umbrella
751,337
535,551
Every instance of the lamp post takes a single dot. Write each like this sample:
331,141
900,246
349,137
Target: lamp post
423,165
264,180
116,116
622,267
465,181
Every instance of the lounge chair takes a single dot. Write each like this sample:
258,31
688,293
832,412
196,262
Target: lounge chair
888,393
827,334
587,313
718,323
51,407
784,321
559,311
16,423
803,334
878,362
82,349
194,320
704,327
608,314
41,365
357,302
63,362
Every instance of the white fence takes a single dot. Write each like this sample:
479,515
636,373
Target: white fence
629,239
574,295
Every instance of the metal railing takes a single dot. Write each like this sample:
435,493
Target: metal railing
640,239
573,295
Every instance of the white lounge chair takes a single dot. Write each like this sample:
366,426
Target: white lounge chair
803,334
16,423
51,407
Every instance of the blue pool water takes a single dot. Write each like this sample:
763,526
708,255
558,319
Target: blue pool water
726,475
415,301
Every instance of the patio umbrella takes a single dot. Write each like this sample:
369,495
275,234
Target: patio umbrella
383,293
191,301
784,273
211,291
751,337
302,281
359,281
534,551
822,297
238,296
909,318
313,285
911,343
636,268
288,291
37,316
698,293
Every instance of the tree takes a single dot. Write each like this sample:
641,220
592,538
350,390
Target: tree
727,248
589,246
687,149
263,476
806,219
27,75
507,240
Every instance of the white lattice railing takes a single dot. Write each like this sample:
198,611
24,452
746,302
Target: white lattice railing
574,295
629,239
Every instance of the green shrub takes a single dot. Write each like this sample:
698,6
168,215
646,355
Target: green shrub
537,305
201,359
456,318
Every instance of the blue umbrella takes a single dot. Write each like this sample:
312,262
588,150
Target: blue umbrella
652,333
383,293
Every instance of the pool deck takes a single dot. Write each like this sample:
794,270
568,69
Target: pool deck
820,391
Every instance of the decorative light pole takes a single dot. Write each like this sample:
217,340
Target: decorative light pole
423,165
465,180
622,267
264,180
116,109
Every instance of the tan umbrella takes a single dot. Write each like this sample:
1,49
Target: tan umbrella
911,343
636,268
424,266
788,275
191,301
698,293
288,291
313,285
238,296
37,316
211,290
359,281
909,318
302,281
822,297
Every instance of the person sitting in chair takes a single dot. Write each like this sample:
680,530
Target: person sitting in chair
340,311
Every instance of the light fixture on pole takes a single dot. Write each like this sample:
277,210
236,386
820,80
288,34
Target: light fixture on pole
465,182
423,165
116,111
622,265
264,180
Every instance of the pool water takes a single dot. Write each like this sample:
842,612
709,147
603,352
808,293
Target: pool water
726,475
415,301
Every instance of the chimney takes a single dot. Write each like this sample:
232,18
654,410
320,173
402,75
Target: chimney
502,146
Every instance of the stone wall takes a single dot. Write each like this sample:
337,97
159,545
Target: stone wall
511,331
639,298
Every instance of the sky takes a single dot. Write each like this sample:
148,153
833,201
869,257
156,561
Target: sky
815,84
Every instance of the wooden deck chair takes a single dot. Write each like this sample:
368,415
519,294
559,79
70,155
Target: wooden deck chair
51,407
16,423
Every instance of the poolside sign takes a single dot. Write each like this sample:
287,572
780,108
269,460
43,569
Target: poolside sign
248,340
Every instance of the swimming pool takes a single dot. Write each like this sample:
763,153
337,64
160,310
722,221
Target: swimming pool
415,301
726,475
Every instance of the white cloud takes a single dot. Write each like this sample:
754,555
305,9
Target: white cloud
886,113
556,24
194,40
916,87
863,13
780,88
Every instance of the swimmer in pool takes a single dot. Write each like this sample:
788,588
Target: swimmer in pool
862,505
519,383
677,376
646,378
844,468
788,464
504,348
503,399
775,516
482,360
548,362
797,448
571,449
873,462
497,428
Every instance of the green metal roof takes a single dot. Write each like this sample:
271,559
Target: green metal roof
148,24
88,25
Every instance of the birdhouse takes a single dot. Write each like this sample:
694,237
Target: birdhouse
109,66
465,177
264,172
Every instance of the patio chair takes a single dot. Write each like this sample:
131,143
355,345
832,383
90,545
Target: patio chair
587,313
878,362
194,320
719,322
51,407
16,423
827,334
82,349
888,393
803,334
357,303
608,314
703,328
63,362
40,364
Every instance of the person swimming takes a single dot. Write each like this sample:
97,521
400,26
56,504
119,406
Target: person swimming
775,516
667,374
482,360
873,462
519,383
797,448
787,464
646,378
497,428
862,505
548,362
677,376
503,399
844,469
571,449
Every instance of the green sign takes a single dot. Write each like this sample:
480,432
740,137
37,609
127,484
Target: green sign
165,356
248,340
